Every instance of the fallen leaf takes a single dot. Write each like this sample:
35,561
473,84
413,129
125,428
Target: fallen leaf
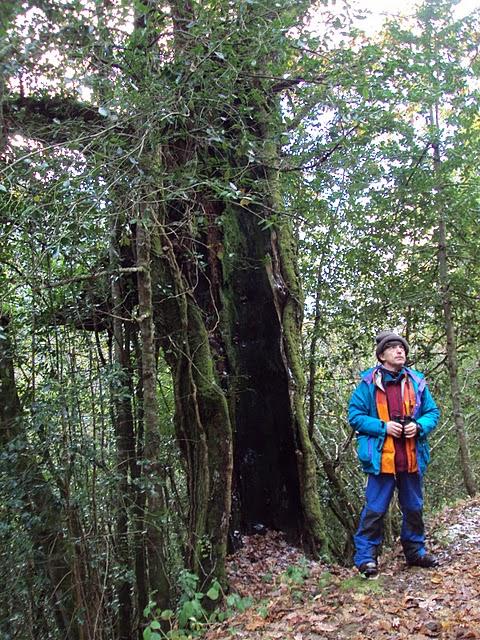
325,627
256,623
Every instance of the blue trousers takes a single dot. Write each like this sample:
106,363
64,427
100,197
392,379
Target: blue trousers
378,496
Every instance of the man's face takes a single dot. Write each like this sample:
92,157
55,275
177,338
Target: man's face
394,357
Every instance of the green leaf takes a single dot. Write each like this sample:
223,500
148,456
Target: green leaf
191,610
167,614
148,609
213,593
232,599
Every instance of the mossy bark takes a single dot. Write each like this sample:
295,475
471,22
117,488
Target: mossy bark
227,313
275,479
275,471
284,246
267,491
231,325
123,423
286,285
202,419
155,508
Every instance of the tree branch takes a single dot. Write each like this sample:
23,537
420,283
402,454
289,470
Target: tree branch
30,113
52,109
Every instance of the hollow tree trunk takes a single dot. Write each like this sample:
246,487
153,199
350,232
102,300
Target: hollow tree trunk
275,485
275,468
239,343
236,335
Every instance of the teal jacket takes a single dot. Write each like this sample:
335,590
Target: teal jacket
371,431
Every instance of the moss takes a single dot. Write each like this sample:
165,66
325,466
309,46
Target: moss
325,580
234,243
235,248
202,420
214,434
284,255
292,320
363,585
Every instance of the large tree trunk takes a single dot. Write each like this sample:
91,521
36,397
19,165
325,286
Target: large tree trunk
275,472
267,486
275,484
231,326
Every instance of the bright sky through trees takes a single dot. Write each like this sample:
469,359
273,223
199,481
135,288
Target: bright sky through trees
380,10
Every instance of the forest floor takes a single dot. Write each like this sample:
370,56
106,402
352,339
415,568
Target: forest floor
296,599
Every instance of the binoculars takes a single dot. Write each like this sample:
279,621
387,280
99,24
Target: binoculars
403,421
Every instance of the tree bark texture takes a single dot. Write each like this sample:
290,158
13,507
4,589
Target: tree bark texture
235,335
123,418
202,419
275,484
449,323
155,507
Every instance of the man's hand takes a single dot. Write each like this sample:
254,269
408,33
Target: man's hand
410,430
394,429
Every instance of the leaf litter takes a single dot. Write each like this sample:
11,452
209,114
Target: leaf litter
300,599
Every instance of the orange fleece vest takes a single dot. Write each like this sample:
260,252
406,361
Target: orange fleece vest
388,450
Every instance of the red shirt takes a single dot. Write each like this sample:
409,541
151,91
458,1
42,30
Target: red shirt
393,390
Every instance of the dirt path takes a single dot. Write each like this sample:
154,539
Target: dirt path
296,600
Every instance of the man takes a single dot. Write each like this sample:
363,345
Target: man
392,412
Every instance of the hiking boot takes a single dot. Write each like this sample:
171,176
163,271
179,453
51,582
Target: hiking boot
426,561
368,569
